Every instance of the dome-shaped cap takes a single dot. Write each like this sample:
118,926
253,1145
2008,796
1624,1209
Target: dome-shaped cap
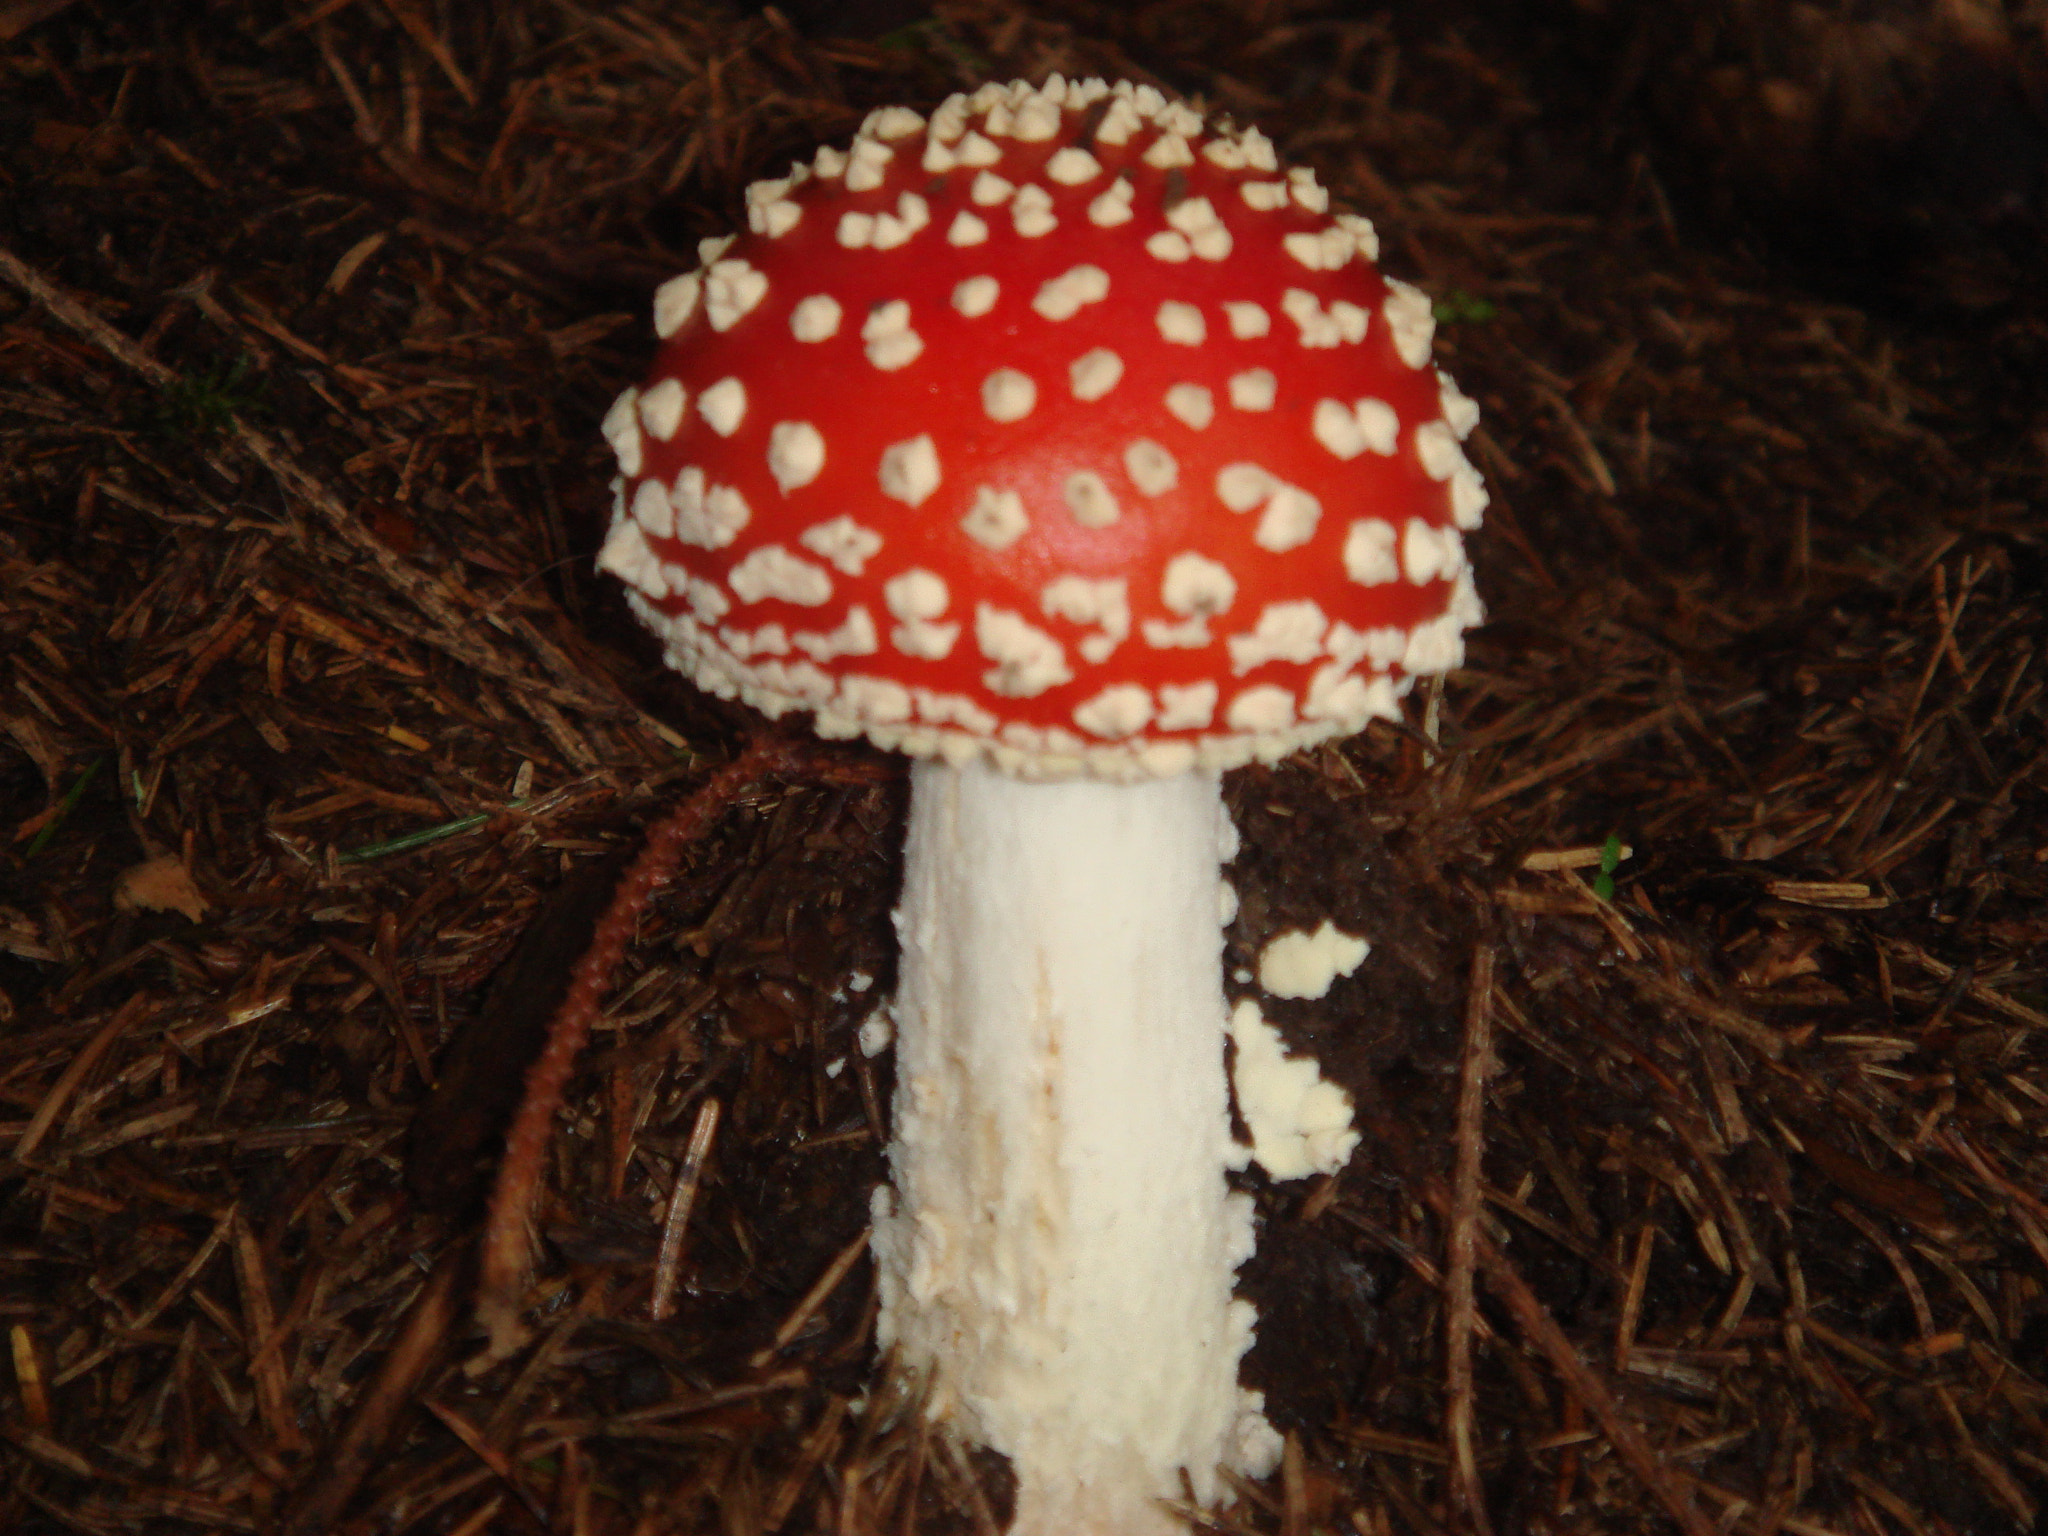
1062,429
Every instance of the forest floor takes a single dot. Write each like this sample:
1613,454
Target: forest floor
1706,899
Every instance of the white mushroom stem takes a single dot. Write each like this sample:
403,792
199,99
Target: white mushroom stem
1057,1257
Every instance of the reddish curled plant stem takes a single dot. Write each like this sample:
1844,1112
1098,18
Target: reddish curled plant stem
506,1243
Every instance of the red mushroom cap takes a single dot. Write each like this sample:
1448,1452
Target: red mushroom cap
1064,429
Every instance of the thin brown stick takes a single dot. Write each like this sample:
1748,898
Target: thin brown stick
668,1263
319,1502
77,1070
1580,1379
814,1298
1468,1496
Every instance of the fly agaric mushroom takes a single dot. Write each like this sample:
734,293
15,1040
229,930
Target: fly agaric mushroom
1071,445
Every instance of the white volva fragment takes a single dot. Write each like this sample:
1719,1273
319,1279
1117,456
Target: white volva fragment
1104,603
990,189
949,118
1337,429
772,571
966,229
1298,964
1460,411
1178,117
708,516
1112,207
892,123
796,454
1438,646
1036,120
1061,298
1289,520
1072,166
1168,151
1027,659
880,700
855,636
627,556
918,598
1226,154
867,165
1379,424
1362,234
1194,586
1468,497
1300,1123
731,290
815,318
712,247
1265,196
621,428
996,520
1301,181
843,542
976,296
855,231
1116,712
1181,324
1247,320
707,600
1291,631
774,219
925,638
1188,708
938,158
1089,499
1242,486
877,1033
1095,373
1310,249
1369,557
916,594
1031,212
1261,711
1057,1262
828,163
1411,319
1169,246
1152,469
768,640
1195,217
1007,395
894,229
909,471
1258,151
955,709
977,151
1318,329
653,510
1193,404
1436,445
1254,390
674,302
1429,553
661,409
723,406
891,343
1118,123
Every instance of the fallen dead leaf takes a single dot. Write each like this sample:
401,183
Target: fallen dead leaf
160,885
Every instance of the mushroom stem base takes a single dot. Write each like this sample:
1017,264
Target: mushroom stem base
1057,1255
